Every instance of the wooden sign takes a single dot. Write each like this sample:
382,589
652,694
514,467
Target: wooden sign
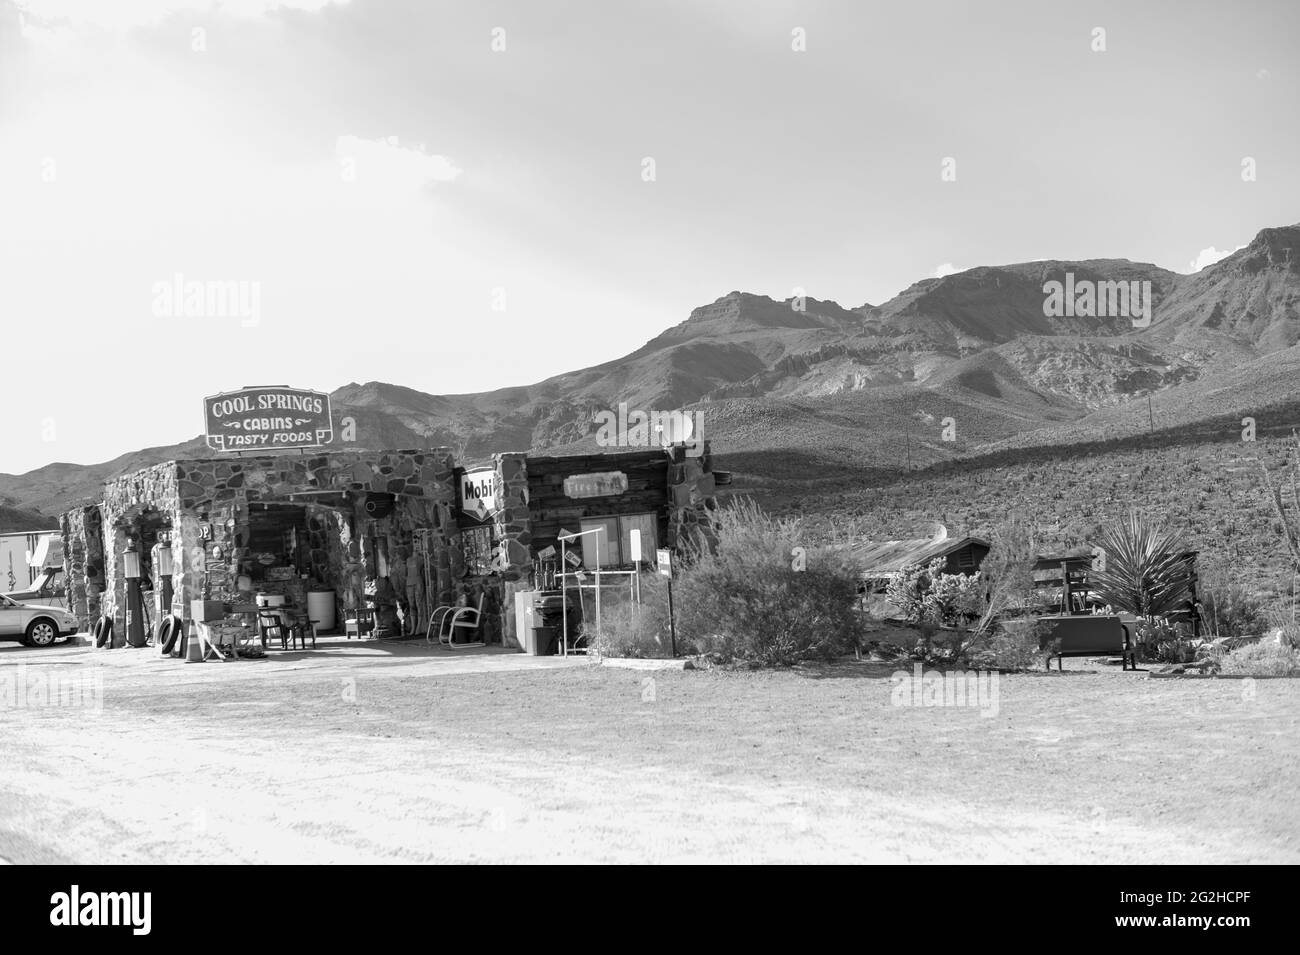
267,418
598,484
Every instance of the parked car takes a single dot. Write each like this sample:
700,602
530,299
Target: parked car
47,590
34,624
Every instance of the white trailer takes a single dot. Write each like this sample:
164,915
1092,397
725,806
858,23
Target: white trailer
17,551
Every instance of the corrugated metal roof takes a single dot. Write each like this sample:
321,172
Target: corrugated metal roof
883,558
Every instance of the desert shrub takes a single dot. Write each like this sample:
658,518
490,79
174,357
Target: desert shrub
1164,641
928,595
627,630
1262,658
1009,648
1288,629
1008,571
953,599
747,598
1230,609
906,592
933,601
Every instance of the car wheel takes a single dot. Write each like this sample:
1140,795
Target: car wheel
41,633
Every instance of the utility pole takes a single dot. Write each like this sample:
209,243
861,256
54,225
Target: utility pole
909,447
1151,420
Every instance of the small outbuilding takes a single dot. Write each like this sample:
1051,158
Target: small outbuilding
881,561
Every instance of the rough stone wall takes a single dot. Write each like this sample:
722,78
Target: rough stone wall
83,562
513,523
125,499
219,492
691,496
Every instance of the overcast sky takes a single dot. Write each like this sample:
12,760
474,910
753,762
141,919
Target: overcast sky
386,177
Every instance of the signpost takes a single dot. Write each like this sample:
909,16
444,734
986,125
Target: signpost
267,418
665,561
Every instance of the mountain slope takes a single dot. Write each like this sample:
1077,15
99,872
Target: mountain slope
872,386
1252,295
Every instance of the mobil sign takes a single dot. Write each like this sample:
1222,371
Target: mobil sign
478,495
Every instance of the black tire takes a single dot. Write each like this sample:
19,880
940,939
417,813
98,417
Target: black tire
104,632
169,634
42,632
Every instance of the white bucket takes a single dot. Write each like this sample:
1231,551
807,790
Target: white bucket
320,607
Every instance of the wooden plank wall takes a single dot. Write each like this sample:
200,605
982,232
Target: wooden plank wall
551,510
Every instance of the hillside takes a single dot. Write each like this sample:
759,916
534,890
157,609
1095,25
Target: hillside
951,401
1202,482
14,519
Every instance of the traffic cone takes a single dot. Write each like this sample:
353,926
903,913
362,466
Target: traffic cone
194,645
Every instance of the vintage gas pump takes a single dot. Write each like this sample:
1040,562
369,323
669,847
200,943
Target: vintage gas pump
135,635
162,562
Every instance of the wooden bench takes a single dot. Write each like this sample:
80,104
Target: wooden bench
1087,635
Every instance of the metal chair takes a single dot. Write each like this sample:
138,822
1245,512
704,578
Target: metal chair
464,620
450,620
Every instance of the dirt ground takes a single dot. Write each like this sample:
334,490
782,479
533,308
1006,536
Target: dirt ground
402,753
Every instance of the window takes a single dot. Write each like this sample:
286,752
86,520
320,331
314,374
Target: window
611,546
601,548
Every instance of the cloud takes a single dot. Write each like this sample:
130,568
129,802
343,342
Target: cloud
946,269
1210,256
1262,73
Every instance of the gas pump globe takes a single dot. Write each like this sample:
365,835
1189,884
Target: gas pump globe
131,560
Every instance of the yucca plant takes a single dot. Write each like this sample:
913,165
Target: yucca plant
1145,571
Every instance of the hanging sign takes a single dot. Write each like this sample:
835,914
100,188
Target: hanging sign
599,484
267,418
478,494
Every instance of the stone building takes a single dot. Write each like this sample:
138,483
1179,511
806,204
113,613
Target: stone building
401,532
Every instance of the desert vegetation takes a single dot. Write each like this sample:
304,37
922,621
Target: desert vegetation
760,595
